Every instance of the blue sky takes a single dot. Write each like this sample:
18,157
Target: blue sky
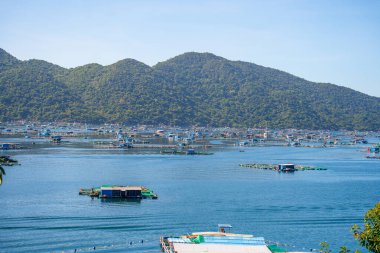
323,41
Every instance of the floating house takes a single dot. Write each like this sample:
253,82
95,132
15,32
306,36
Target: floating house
7,146
190,152
374,150
173,137
286,167
45,132
243,143
119,192
124,145
133,192
56,138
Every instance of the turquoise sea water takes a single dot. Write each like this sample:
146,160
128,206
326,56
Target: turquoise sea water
41,210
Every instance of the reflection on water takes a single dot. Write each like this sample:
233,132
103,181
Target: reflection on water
120,201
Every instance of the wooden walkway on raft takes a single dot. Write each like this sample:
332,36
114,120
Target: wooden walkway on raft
156,146
264,166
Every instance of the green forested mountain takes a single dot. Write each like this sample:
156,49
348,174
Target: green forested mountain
192,88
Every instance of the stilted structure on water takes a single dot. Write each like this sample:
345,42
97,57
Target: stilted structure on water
374,152
285,167
119,192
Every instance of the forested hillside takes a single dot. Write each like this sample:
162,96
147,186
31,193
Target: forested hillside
190,89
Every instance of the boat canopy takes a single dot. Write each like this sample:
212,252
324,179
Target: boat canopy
224,226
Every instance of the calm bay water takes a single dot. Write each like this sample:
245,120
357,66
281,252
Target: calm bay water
41,210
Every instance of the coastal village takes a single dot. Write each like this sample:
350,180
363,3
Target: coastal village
167,137
183,141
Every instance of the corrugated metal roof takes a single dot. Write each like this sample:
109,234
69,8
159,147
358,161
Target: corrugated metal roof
219,248
121,188
131,188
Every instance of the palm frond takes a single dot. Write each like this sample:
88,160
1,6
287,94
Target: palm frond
2,171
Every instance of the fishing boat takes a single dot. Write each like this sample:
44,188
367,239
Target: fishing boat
221,241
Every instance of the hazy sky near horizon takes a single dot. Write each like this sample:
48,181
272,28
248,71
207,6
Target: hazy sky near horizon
324,41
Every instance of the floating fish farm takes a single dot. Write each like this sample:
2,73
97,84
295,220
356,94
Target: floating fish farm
119,192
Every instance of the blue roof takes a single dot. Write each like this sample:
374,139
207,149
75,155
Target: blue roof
227,240
234,240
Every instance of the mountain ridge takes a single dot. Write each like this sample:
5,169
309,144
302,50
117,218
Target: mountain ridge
191,88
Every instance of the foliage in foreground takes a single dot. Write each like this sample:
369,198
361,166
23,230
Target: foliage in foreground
368,237
2,172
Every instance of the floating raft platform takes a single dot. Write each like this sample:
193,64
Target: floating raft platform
280,167
120,192
147,146
184,152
